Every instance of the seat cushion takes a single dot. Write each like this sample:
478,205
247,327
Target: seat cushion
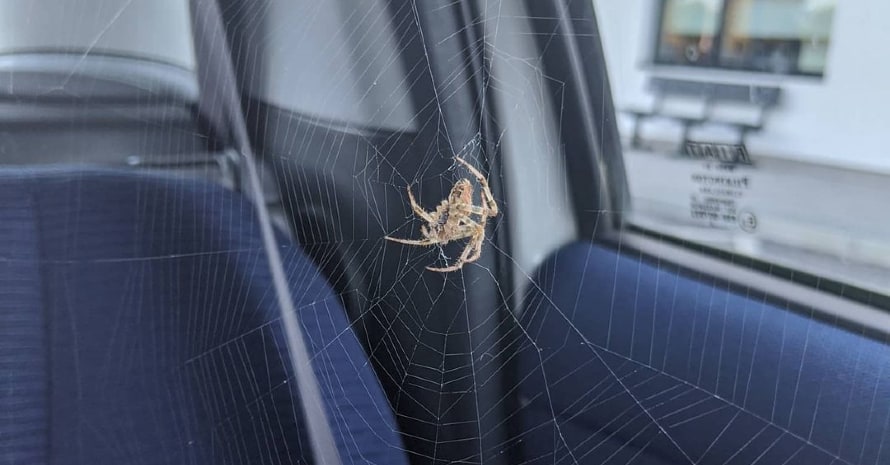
627,360
145,329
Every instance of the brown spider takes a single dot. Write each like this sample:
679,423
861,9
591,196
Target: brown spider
453,219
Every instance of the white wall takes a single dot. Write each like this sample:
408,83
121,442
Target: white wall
843,118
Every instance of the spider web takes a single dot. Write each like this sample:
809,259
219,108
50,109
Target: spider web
350,103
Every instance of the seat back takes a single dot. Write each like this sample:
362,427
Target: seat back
633,361
142,327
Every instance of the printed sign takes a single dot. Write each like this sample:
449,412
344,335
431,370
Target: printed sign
732,154
720,185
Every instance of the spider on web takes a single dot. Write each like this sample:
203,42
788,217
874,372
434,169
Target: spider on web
453,219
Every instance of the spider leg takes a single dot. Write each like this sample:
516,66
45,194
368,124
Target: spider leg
487,197
465,210
472,210
423,242
418,210
471,252
478,241
447,269
472,169
460,261
465,231
477,248
491,205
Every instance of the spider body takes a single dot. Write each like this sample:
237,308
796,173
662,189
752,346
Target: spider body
456,218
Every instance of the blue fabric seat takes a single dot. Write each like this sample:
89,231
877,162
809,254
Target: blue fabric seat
139,325
629,361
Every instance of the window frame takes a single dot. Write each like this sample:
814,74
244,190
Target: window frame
814,296
661,9
853,308
574,60
797,277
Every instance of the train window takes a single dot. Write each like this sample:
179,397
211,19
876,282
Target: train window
775,36
781,171
688,31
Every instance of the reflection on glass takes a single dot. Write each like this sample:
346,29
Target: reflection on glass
688,30
777,36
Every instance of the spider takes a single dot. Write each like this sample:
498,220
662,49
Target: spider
453,219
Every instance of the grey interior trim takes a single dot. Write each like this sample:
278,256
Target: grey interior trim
153,29
113,115
541,218
65,76
827,304
357,75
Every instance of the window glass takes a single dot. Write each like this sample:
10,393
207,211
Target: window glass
775,36
773,166
688,31
778,36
